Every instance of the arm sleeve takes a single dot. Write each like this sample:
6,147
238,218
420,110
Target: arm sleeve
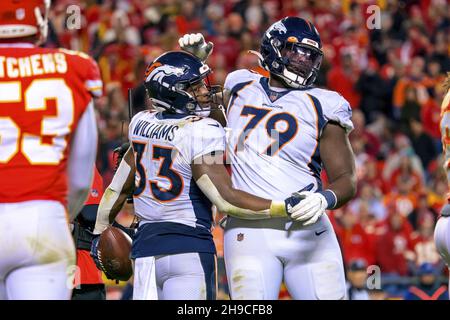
93,81
82,160
341,113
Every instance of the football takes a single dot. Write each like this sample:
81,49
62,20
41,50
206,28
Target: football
114,249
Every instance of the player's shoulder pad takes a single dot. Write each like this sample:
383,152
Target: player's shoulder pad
205,128
334,107
204,123
240,77
87,68
138,116
79,54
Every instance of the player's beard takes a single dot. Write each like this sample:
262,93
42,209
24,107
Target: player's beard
303,69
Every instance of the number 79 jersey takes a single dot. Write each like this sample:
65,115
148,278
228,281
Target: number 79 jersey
273,136
43,94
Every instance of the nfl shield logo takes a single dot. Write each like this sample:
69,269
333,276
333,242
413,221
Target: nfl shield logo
20,14
240,237
273,96
94,193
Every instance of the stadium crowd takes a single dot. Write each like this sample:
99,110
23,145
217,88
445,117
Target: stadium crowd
392,76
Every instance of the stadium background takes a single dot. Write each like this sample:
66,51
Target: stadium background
391,76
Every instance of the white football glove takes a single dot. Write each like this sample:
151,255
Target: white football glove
310,209
195,44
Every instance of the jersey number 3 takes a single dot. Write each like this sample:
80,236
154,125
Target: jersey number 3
165,155
33,148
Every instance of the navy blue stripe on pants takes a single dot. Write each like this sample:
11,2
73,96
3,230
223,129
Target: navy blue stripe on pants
208,261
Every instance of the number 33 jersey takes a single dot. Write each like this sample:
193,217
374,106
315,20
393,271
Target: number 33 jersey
43,94
273,136
164,149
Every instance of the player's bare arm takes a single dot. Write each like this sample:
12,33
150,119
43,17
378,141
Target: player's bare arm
338,160
339,163
117,192
214,181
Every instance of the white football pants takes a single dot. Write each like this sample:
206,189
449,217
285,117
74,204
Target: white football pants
260,254
442,240
37,252
185,276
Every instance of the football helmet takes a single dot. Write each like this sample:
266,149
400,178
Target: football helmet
168,80
292,51
24,18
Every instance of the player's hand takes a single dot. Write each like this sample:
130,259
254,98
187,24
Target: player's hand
195,44
96,256
306,206
311,207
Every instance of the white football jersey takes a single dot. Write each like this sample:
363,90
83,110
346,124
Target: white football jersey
164,150
273,136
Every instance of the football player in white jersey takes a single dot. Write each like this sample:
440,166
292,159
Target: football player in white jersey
177,158
283,131
442,229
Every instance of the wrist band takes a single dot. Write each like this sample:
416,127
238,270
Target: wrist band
331,198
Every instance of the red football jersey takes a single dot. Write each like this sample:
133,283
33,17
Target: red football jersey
96,192
43,94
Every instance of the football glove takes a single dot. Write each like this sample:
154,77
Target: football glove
307,207
195,44
119,153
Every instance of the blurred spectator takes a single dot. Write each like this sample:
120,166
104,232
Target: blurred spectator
373,91
342,78
369,200
370,141
421,211
431,115
355,242
423,144
394,243
356,283
396,158
428,287
410,109
423,240
393,251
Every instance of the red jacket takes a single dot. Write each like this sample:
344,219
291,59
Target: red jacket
391,247
356,244
87,272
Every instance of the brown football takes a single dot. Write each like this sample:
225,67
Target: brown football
114,247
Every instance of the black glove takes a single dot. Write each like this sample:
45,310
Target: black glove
119,153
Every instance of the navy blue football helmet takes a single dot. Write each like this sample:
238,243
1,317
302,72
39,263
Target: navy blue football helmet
168,78
292,51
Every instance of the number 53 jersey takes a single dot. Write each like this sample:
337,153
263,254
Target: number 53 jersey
273,136
43,94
